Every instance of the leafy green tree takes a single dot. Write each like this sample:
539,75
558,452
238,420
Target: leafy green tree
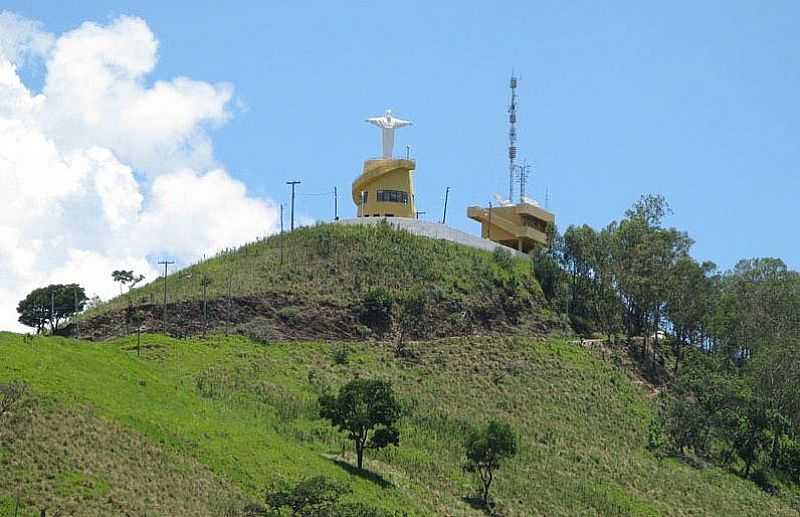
51,305
368,411
688,303
486,450
126,278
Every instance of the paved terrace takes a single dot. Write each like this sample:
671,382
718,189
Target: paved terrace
434,231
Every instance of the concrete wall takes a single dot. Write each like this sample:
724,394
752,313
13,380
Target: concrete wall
434,231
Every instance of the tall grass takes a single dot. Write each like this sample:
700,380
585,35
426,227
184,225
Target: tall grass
247,413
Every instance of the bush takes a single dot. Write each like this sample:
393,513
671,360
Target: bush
375,309
341,355
503,258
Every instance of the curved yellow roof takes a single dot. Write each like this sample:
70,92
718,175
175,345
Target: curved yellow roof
374,169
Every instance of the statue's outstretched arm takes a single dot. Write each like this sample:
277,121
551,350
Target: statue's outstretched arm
376,121
402,123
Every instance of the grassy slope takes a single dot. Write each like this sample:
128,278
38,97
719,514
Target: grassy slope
331,265
245,412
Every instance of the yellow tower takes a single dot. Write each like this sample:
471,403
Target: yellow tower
385,187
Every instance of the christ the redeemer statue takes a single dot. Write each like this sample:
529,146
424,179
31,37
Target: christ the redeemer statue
388,124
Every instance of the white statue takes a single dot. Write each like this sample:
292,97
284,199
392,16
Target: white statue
388,124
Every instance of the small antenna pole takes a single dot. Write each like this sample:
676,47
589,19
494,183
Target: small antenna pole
335,204
444,213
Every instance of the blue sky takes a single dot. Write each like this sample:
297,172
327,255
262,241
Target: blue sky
693,100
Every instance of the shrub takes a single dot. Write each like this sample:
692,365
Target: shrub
341,355
375,309
486,449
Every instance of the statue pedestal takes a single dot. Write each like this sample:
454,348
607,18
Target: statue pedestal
385,188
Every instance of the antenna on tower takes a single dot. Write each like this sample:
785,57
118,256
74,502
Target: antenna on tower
512,136
524,172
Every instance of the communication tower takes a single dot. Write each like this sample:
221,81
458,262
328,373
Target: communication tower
524,172
512,137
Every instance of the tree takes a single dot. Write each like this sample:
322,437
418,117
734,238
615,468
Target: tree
486,449
367,410
688,301
126,277
130,279
51,305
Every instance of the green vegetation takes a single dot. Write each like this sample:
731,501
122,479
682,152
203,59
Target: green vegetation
51,305
736,334
368,411
338,281
486,450
687,405
237,417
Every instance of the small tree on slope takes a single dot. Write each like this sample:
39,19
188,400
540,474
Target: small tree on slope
485,449
367,410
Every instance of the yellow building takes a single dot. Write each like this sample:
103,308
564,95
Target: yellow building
385,189
522,226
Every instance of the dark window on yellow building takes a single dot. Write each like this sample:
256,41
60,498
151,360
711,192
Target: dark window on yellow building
393,196
364,197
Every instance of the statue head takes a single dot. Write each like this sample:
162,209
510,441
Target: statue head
389,114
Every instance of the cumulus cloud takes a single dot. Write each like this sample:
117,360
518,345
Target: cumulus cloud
102,170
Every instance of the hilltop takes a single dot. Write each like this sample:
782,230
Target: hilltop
335,281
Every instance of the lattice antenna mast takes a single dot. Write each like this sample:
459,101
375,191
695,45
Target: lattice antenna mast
512,137
524,173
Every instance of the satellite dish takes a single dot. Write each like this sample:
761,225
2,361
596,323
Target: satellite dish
502,202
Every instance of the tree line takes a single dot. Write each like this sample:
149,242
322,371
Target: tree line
727,342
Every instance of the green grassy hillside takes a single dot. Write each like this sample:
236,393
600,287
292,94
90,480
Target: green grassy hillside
196,426
314,282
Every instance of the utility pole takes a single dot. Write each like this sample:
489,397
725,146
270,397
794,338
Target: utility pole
204,282
335,204
166,264
52,312
444,214
291,224
419,213
77,320
281,236
228,319
489,228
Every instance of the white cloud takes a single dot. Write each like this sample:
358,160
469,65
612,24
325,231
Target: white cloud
102,170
